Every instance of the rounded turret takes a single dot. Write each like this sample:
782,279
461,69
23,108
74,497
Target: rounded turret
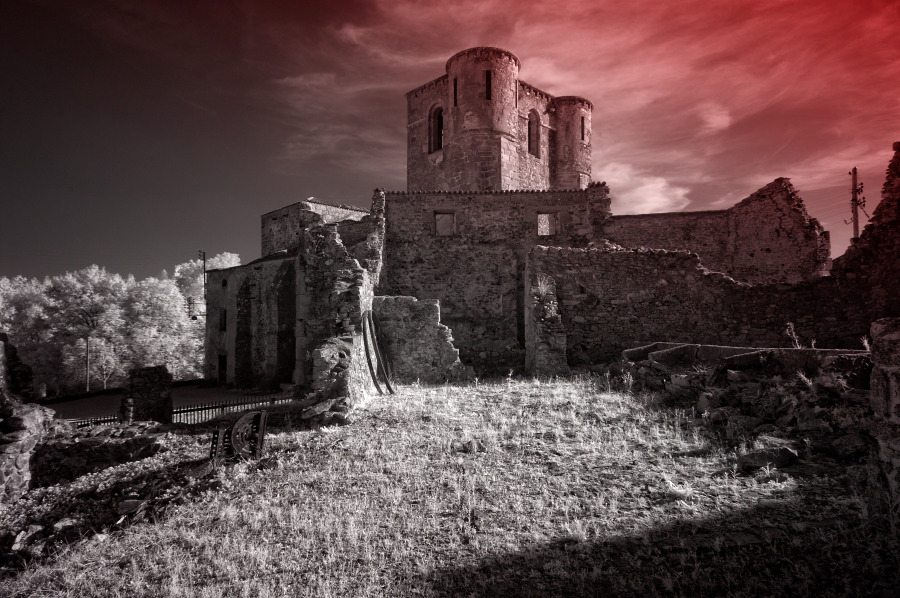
572,155
482,84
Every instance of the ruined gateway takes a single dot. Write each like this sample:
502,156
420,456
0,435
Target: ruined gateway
502,238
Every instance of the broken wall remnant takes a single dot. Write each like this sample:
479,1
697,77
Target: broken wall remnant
282,229
416,345
740,241
468,251
545,337
885,401
148,396
15,375
22,426
295,316
611,298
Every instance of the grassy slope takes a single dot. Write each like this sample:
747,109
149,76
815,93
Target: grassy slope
517,488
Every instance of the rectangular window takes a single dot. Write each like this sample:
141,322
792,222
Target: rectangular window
487,85
223,320
582,128
454,92
547,224
444,224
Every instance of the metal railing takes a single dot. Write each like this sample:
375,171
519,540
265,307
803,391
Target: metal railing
201,412
198,413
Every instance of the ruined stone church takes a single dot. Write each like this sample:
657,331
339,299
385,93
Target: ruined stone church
502,240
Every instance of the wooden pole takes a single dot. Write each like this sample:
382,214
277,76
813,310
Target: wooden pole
854,205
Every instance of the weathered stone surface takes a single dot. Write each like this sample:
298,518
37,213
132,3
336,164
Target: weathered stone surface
22,427
484,142
417,345
149,395
741,240
885,400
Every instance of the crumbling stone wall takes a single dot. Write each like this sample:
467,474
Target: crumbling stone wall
282,229
22,426
15,376
477,271
149,395
767,237
611,298
545,336
251,313
416,344
885,400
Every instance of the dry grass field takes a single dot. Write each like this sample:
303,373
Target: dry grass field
516,487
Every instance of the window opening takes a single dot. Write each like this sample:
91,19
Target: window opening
487,85
582,128
223,320
534,134
548,224
437,130
444,224
454,92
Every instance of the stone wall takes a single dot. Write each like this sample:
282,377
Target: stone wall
477,271
282,229
545,337
611,298
22,426
416,345
251,311
15,376
148,396
767,237
885,400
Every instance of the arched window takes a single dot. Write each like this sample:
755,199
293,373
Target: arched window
534,134
436,130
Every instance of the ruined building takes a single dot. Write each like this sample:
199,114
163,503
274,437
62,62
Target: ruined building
502,233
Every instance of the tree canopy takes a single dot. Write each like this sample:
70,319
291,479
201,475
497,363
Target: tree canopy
89,327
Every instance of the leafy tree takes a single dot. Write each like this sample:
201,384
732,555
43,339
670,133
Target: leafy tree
159,330
84,304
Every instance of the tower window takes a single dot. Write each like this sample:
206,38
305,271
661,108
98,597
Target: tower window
436,130
444,224
454,91
547,224
487,85
582,128
534,134
223,320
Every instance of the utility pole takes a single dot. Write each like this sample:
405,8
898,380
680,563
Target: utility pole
854,205
87,363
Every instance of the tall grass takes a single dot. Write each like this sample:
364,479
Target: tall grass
511,488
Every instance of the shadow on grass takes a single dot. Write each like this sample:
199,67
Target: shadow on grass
80,510
796,547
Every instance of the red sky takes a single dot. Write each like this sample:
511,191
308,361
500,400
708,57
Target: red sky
135,132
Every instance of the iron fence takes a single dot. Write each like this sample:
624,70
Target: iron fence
198,413
201,412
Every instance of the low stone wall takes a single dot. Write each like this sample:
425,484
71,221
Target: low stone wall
65,457
417,345
885,401
22,426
